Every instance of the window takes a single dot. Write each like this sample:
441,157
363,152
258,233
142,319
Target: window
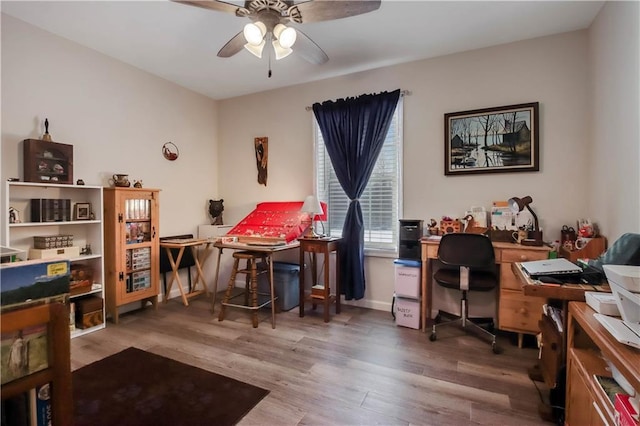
380,201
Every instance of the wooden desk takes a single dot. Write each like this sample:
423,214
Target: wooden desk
589,343
199,258
268,249
517,312
553,357
325,246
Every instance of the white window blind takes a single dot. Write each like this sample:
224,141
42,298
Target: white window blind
380,201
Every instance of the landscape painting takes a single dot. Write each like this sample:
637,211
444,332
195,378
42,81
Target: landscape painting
492,140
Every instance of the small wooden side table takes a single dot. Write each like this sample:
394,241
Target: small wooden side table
320,294
181,244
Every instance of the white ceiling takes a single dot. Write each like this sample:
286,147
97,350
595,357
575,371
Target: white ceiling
179,42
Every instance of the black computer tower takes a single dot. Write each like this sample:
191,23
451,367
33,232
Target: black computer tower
409,239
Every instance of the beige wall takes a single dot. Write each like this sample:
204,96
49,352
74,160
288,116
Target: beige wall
614,181
550,70
117,118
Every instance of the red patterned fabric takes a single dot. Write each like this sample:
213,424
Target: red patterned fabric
275,221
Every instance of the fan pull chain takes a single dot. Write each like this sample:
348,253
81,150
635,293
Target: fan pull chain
269,74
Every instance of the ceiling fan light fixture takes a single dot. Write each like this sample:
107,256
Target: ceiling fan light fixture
281,52
254,33
255,49
285,35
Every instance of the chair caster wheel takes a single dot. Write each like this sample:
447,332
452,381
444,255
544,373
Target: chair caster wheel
432,337
495,348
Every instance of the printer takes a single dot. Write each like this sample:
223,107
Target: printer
624,281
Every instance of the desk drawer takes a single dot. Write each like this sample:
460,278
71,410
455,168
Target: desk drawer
518,312
508,280
431,251
517,255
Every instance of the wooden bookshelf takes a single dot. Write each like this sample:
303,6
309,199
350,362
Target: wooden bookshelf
589,345
58,364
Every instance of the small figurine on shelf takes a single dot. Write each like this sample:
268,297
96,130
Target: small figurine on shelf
86,250
80,182
46,136
433,227
14,215
137,184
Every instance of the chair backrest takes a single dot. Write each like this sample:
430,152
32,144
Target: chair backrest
462,249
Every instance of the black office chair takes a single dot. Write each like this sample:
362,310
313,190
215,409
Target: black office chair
471,255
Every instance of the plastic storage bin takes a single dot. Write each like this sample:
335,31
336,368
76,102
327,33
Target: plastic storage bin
407,312
407,278
286,282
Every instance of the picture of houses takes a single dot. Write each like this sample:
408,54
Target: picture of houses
498,139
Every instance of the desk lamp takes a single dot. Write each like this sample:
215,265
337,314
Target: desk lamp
312,206
517,205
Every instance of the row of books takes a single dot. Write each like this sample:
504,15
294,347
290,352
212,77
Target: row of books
50,209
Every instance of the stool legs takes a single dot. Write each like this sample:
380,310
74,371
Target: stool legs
254,293
251,287
227,294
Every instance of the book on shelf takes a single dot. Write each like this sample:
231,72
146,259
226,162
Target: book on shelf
317,291
609,386
556,316
40,405
15,411
30,280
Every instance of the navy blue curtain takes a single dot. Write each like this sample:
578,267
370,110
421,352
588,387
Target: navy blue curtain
354,130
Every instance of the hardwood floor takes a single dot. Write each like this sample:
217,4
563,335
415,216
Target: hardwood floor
358,369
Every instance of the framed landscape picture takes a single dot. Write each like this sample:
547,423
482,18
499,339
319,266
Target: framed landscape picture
492,140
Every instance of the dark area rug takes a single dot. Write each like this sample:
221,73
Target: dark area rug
134,387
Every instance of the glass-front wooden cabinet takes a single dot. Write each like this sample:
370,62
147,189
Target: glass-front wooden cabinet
47,162
131,247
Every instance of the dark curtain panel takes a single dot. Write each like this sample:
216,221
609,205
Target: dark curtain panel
354,130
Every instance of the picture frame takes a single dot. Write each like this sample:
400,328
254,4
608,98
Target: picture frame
82,211
501,139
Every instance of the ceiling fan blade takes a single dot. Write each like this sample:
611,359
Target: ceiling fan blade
308,49
233,46
319,10
216,5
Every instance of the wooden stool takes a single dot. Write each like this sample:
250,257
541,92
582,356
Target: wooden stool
251,290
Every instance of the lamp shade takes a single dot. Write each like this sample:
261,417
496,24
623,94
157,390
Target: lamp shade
518,204
281,52
312,206
254,32
255,49
285,35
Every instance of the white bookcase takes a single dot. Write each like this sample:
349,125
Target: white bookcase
18,195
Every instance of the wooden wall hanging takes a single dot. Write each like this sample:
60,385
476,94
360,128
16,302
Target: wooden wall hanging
262,155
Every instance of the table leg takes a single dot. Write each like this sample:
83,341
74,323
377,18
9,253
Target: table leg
273,292
301,283
174,272
176,276
199,273
338,286
425,308
215,284
327,286
314,279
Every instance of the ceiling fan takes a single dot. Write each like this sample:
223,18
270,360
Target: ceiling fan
269,24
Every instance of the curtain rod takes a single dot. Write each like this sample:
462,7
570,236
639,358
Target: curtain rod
402,93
